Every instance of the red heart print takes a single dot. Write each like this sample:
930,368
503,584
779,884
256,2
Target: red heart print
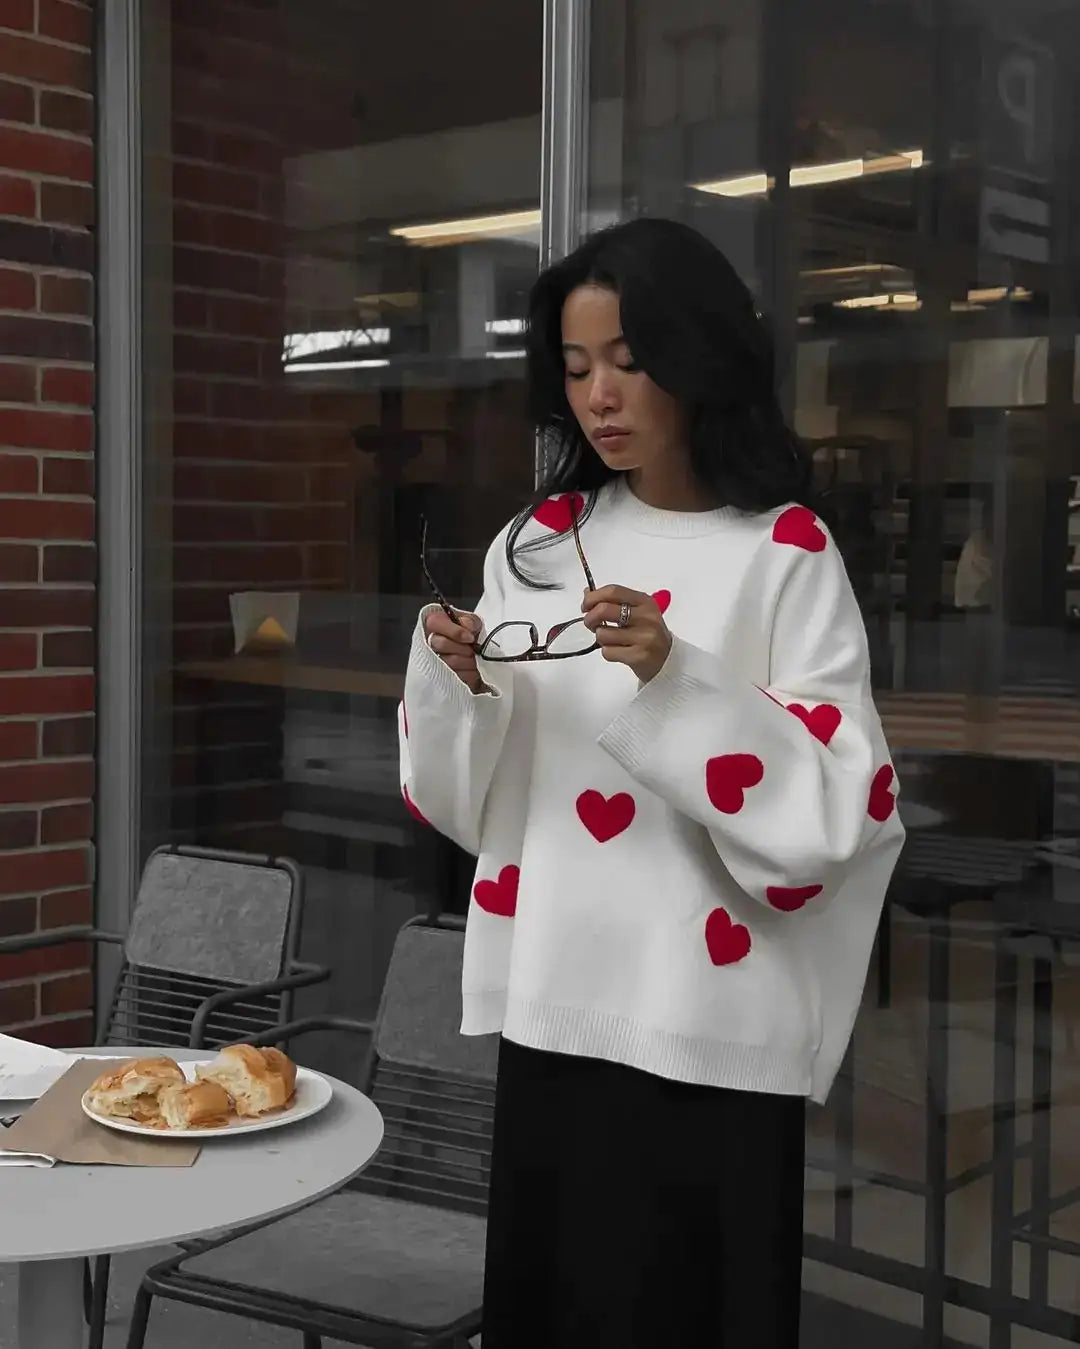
663,599
727,778
798,526
499,897
555,512
728,942
788,899
882,802
413,809
822,721
605,817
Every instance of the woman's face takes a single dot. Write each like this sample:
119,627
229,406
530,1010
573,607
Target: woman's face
633,425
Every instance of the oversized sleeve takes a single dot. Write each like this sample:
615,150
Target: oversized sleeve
793,780
449,737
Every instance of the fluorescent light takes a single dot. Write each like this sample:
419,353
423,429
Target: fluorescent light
295,345
510,353
902,299
991,294
812,175
302,367
471,227
505,327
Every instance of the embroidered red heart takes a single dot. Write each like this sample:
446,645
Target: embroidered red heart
882,802
822,721
555,512
413,809
728,942
727,778
499,897
605,817
663,599
799,527
790,898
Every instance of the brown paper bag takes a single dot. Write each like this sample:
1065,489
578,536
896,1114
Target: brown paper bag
55,1126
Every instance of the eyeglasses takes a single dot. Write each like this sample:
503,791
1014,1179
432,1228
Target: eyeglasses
515,640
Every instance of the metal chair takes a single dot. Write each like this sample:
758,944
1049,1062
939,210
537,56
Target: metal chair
407,1238
209,958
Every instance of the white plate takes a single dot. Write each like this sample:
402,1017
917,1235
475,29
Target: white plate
313,1093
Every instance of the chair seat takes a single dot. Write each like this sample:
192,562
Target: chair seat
382,1257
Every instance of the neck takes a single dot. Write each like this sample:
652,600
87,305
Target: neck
670,491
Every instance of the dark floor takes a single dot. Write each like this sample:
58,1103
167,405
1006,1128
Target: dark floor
826,1325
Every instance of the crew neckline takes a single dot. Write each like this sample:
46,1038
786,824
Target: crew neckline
648,519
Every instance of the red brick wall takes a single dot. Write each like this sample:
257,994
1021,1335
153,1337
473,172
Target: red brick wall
47,560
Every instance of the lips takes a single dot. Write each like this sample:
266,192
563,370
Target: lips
610,435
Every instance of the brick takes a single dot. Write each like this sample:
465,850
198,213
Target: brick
46,519
68,737
26,784
45,63
18,740
67,384
206,186
67,824
18,562
18,916
46,608
50,960
205,269
66,908
41,152
47,430
18,829
18,196
68,204
49,339
73,1032
215,356
18,383
67,477
32,872
18,472
18,290
18,650
67,295
67,993
42,695
16,100
65,22
18,1002
68,650
18,14
69,562
66,112
190,310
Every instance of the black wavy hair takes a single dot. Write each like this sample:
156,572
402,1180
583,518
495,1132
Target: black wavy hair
691,325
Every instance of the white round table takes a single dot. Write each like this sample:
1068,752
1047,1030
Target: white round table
50,1219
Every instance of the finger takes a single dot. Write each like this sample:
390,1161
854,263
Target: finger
620,637
438,623
462,665
605,613
614,595
446,646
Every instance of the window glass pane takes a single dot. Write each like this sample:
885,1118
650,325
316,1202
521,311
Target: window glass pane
895,181
342,226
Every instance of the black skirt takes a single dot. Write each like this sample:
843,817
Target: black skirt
627,1210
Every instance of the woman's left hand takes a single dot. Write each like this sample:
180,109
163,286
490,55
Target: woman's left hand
643,643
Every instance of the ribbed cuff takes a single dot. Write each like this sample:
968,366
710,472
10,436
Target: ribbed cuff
629,738
440,676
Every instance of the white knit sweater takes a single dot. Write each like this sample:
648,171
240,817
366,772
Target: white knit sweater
683,876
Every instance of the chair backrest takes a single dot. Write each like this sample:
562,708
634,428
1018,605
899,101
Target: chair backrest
434,1086
205,921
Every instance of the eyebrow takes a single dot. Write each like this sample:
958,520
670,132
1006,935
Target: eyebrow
577,346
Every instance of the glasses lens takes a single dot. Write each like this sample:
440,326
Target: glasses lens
510,640
575,637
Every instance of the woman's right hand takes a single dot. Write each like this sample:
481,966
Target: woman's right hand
455,644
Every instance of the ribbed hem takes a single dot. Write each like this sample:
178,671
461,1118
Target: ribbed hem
644,519
445,682
589,1033
631,735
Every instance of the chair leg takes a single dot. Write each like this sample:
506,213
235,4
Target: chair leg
140,1317
87,1293
100,1303
311,1340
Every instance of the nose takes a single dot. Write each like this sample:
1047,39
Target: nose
603,393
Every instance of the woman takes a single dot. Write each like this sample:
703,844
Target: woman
683,810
